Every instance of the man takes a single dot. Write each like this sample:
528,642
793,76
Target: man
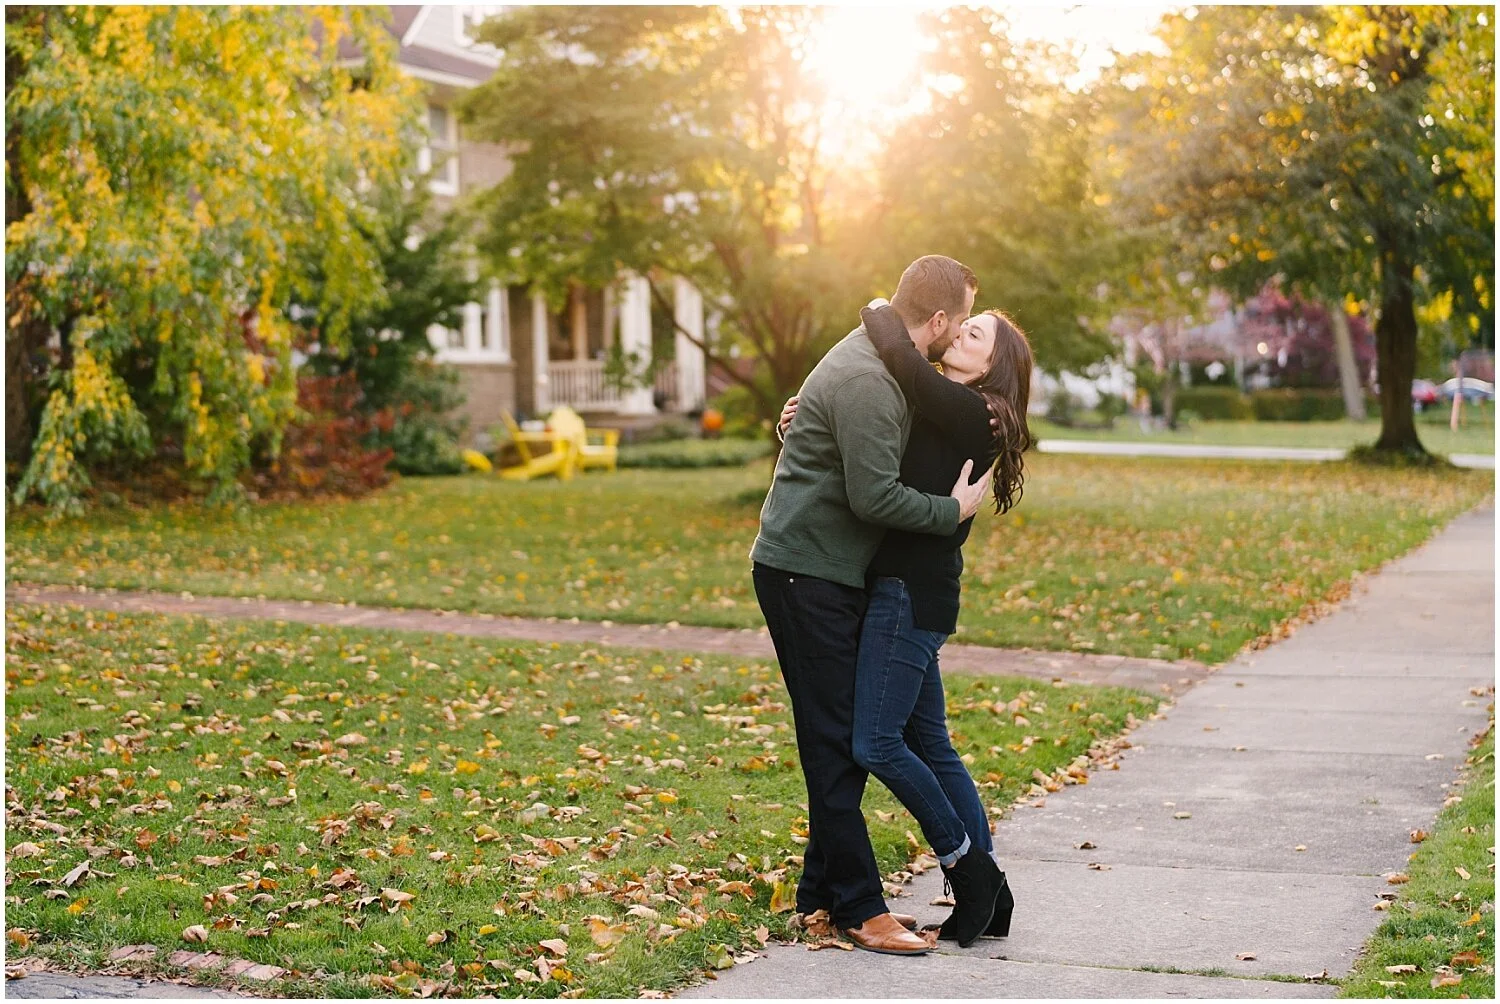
835,492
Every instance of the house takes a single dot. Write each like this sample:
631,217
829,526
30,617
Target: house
514,353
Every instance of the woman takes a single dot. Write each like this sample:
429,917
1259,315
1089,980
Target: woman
975,409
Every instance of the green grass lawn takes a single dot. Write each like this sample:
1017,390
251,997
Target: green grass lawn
1443,923
1477,435
398,810
1149,557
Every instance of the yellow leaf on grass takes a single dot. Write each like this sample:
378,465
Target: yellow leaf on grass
783,897
605,934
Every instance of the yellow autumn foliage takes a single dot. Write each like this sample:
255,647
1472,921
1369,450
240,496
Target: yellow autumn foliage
180,173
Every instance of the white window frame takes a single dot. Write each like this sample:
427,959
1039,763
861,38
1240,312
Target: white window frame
444,179
488,322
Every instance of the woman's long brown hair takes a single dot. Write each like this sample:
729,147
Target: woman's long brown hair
1006,387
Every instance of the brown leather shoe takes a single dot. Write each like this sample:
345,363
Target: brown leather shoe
906,920
882,934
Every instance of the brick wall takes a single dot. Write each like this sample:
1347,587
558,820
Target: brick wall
489,389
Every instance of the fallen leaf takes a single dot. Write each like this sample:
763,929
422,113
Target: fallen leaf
1087,845
719,957
19,938
783,897
395,899
1417,836
1096,866
1446,980
197,934
605,934
1400,970
1246,957
1464,959
1182,815
26,850
762,934
556,946
1461,872
78,874
1398,878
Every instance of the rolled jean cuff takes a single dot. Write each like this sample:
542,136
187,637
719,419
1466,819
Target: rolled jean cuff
949,860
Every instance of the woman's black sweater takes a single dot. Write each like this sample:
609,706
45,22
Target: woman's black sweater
951,426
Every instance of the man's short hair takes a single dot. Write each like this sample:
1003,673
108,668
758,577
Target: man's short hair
931,283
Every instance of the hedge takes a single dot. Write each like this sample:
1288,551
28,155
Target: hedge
681,453
1290,404
1215,404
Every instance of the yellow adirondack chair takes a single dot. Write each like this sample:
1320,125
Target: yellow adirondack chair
540,453
591,447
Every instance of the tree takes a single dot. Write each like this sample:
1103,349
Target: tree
172,175
424,270
1301,143
996,173
680,138
1301,336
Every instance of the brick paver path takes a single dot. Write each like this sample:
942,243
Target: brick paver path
1154,675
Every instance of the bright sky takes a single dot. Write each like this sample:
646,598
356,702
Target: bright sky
867,49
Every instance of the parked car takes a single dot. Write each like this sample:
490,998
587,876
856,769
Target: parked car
1474,389
1423,393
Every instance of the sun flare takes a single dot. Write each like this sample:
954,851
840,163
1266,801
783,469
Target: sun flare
866,56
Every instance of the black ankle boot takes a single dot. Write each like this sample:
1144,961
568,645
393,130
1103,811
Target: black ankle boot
999,927
976,882
1005,903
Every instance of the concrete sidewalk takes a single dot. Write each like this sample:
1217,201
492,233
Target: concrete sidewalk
1111,448
1302,769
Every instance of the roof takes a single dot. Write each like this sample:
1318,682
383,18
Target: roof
423,57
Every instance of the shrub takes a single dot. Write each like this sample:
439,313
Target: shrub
1111,407
1215,404
1063,407
325,452
742,417
694,453
1289,404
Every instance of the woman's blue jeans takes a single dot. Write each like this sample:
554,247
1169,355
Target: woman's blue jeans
901,725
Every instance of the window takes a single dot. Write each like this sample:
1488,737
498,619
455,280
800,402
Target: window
466,18
439,158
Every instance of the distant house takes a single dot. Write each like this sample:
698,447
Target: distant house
513,352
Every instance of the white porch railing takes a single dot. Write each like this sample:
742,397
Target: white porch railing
580,384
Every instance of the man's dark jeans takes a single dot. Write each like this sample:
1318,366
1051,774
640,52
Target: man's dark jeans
815,626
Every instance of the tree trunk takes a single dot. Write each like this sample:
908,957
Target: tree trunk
1169,396
1354,393
1396,355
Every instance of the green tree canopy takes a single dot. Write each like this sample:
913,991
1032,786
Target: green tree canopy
1323,146
174,176
689,139
996,173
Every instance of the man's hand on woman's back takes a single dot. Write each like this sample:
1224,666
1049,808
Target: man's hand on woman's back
970,497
